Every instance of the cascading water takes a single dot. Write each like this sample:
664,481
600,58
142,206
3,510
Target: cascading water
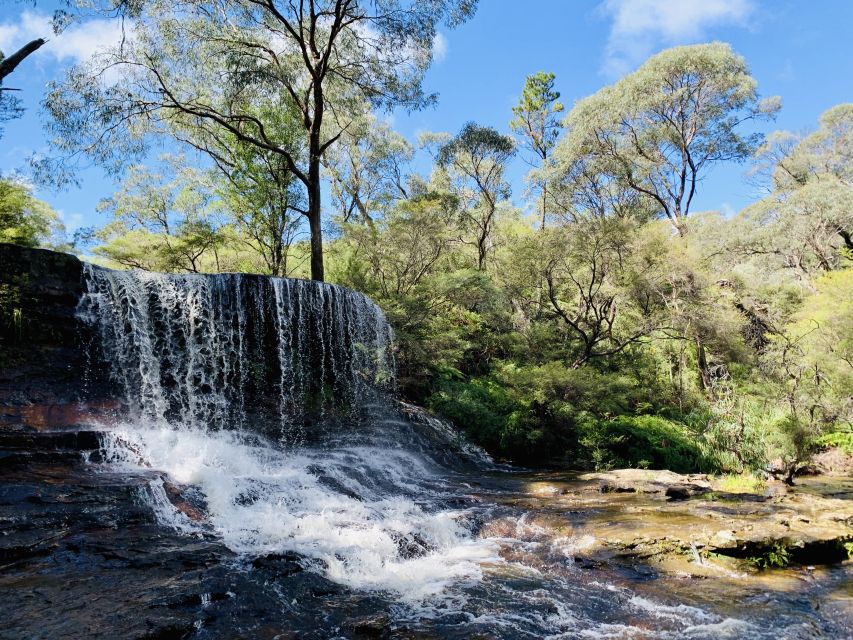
226,380
266,402
234,351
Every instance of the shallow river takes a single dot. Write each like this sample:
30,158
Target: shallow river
453,550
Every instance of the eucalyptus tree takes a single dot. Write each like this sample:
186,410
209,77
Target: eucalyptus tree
227,66
260,192
602,287
804,231
367,169
402,249
581,188
162,219
265,202
476,159
828,151
660,129
538,124
24,219
805,224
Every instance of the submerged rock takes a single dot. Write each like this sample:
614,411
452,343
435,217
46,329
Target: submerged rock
685,491
372,626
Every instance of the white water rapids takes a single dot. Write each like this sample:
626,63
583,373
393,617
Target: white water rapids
362,514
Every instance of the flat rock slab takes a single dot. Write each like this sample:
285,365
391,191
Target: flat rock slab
667,483
635,513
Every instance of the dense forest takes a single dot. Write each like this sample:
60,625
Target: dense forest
595,320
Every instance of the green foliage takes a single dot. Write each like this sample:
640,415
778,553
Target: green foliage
367,170
560,415
11,317
536,114
162,223
25,220
647,442
777,557
476,144
659,129
473,164
492,414
839,439
740,483
735,434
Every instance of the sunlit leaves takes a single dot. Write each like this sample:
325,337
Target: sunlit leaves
658,130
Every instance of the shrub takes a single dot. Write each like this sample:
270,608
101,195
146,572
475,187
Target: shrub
839,439
648,442
740,483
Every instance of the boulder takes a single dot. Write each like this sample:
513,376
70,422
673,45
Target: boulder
647,481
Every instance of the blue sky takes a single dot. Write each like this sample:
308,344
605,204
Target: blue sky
802,51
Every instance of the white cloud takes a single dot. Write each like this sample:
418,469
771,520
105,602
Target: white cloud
71,221
641,26
439,47
78,42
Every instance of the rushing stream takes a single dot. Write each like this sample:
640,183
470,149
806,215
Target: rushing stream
267,402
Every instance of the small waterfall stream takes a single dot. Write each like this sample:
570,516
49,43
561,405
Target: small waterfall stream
270,397
235,351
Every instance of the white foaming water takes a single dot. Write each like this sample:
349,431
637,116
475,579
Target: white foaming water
375,518
164,511
361,513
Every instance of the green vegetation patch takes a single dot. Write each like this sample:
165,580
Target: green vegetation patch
839,439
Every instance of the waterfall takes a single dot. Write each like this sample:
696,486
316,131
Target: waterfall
234,351
267,400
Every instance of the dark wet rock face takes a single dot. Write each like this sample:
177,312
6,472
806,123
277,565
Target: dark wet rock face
282,356
48,375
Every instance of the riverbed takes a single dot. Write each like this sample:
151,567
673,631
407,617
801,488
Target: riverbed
153,533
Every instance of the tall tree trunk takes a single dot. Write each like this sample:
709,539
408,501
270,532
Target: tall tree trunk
314,219
314,197
277,252
485,236
539,283
702,365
